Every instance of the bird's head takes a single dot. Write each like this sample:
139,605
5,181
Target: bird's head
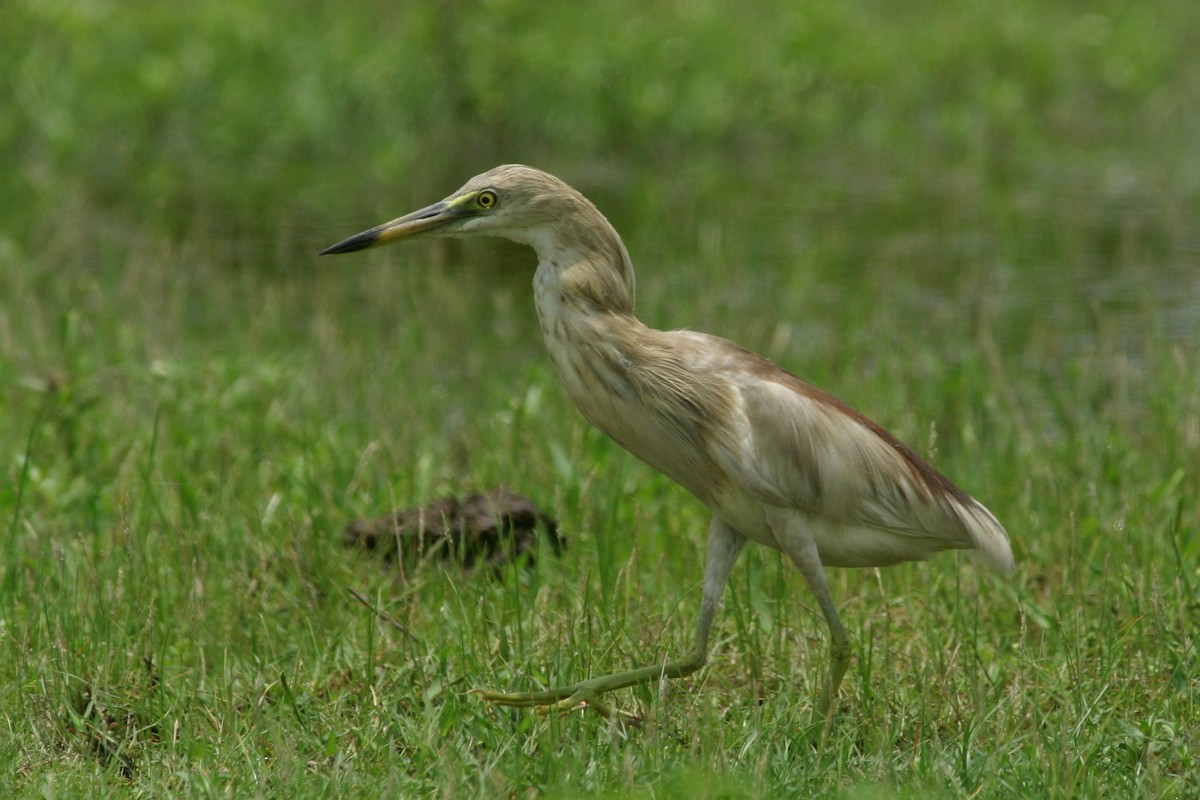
534,208
512,201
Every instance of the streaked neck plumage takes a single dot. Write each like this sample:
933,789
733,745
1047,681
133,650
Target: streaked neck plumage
633,382
583,291
584,279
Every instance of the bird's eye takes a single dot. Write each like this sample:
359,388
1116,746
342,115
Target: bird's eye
486,198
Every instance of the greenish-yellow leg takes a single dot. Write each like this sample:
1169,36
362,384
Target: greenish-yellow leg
795,540
724,544
588,692
839,661
808,561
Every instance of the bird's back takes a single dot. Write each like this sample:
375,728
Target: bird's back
744,435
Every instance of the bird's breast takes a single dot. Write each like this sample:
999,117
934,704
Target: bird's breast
615,388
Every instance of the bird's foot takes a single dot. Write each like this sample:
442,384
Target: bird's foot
585,694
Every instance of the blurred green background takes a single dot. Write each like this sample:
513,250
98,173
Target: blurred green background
976,222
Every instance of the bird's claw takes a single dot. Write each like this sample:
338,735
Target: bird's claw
561,701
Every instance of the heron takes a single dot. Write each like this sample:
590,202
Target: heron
775,460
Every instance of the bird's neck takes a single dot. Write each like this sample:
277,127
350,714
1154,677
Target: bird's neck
578,299
583,290
588,266
580,276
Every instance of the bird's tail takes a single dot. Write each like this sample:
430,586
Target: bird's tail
991,541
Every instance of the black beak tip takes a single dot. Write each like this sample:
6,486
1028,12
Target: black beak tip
359,241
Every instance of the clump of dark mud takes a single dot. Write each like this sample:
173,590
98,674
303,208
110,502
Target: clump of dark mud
489,529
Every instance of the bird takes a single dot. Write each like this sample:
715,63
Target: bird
774,459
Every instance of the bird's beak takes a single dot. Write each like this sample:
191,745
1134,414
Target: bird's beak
409,226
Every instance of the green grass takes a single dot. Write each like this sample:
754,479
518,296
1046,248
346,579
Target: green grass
974,223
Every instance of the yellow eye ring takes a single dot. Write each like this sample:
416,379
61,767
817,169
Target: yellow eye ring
486,199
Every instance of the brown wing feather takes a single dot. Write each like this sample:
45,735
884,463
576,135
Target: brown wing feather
809,450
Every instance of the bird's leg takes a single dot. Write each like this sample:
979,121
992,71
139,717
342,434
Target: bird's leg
802,549
724,544
839,656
